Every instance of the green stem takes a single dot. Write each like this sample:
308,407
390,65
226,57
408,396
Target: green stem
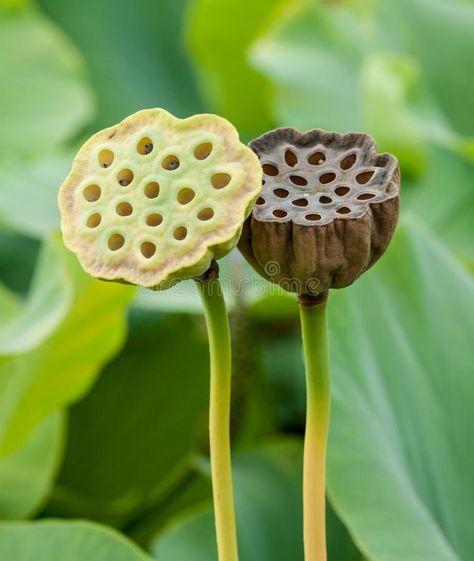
316,355
219,417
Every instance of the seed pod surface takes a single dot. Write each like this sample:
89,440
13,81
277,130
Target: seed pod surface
152,200
327,211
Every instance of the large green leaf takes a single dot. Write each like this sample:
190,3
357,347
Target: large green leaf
17,273
401,461
191,492
29,191
56,370
440,34
190,537
312,60
267,496
220,34
134,54
388,85
268,503
134,434
283,358
43,98
26,476
25,325
65,541
444,198
401,453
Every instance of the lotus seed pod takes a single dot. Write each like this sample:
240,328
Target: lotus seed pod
327,211
152,200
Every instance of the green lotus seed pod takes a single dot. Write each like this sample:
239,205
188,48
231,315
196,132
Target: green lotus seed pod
327,211
152,200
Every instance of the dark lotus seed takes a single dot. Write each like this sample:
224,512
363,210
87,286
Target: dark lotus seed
148,148
173,164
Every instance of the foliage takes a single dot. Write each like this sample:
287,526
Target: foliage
129,371
148,388
236,91
65,541
37,58
27,475
50,351
401,401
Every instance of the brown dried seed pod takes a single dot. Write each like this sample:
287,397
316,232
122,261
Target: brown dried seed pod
334,222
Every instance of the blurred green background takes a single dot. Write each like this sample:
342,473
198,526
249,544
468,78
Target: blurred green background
103,389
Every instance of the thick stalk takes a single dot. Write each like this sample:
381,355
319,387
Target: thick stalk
219,416
316,355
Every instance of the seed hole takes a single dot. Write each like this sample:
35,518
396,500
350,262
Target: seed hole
94,220
185,196
290,158
298,180
125,177
325,200
106,157
348,161
260,201
313,217
148,249
343,210
115,242
364,177
327,177
145,146
341,191
365,196
220,180
269,169
154,219
281,193
280,213
152,190
92,193
180,233
202,151
124,209
317,159
205,214
300,202
170,163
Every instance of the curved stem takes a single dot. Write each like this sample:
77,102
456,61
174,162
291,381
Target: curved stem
316,355
219,416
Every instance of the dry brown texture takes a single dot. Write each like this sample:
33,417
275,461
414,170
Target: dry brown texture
308,255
